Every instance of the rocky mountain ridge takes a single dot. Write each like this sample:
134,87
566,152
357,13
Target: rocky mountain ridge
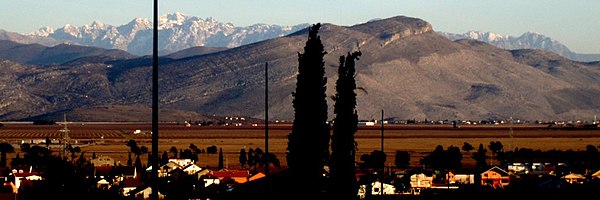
406,68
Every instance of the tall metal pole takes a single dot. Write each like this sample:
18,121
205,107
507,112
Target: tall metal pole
268,183
266,117
382,166
154,182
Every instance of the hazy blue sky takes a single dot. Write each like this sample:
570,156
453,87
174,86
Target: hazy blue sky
575,23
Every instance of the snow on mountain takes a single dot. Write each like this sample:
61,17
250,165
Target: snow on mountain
177,31
528,40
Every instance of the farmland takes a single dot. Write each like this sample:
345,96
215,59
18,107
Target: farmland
110,138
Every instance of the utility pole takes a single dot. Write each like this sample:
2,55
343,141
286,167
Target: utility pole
155,160
510,134
268,183
266,117
383,166
66,139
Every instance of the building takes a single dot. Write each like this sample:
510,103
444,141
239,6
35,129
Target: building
495,177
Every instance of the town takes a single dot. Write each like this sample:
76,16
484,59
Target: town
45,169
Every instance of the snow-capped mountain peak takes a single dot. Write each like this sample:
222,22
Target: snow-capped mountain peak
527,40
177,31
42,32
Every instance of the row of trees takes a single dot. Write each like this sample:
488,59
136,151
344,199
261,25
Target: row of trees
308,142
257,158
451,157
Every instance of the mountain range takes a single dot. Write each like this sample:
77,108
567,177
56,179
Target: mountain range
179,31
528,40
406,68
176,32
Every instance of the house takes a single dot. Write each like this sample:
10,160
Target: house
376,189
166,168
191,169
123,172
421,181
8,191
238,176
25,176
103,161
102,171
181,162
460,178
495,177
535,168
574,178
130,184
377,186
103,184
143,192
257,176
518,167
209,179
596,175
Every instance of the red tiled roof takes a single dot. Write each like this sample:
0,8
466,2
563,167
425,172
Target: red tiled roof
223,174
26,174
131,182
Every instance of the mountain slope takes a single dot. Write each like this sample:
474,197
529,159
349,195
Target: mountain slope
41,55
406,69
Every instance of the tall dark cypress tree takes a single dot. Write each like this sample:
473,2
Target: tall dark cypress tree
308,143
343,183
220,159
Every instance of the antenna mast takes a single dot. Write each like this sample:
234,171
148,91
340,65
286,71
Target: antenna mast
66,139
510,134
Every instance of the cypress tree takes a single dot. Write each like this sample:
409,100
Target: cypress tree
308,142
220,158
343,183
129,161
138,163
243,158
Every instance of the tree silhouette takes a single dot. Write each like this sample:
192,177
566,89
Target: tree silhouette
174,151
164,158
133,147
440,159
402,159
138,163
251,160
48,142
453,158
5,148
343,178
436,159
243,158
467,147
220,159
495,147
480,156
374,160
129,161
308,142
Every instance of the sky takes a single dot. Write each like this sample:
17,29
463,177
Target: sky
574,23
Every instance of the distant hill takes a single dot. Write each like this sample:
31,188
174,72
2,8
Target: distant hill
529,40
36,54
194,51
124,113
406,69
